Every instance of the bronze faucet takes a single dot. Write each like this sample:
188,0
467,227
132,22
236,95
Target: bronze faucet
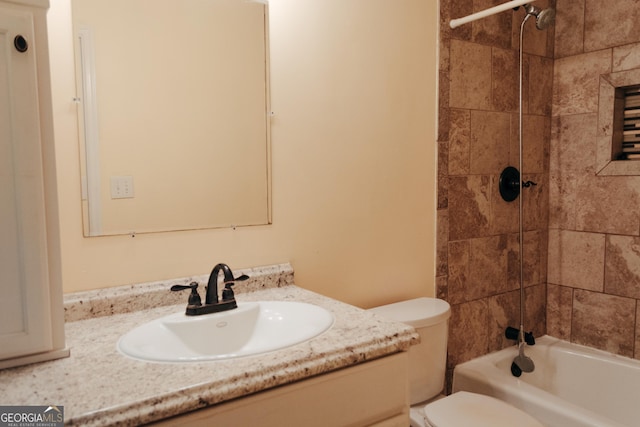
211,302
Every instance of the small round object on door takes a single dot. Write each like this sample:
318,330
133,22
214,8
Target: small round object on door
20,43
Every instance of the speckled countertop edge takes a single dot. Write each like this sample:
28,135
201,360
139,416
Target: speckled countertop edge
100,387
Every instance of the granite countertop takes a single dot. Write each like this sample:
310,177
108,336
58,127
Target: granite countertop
98,386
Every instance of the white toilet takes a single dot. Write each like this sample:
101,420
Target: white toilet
427,364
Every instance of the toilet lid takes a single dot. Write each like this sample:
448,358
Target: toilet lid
464,409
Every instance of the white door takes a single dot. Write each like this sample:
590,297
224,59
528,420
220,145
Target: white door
25,319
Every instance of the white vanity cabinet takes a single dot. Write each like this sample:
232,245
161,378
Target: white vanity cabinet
31,314
374,393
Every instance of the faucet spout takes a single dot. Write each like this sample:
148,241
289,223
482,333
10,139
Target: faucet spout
211,303
212,285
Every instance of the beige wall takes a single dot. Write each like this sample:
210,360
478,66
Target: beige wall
354,95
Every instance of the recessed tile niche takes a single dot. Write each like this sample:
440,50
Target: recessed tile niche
610,124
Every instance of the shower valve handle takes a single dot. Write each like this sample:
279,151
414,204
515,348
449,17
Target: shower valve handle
509,184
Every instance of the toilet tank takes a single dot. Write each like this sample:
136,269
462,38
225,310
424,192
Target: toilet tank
428,359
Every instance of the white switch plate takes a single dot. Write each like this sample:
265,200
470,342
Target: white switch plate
121,187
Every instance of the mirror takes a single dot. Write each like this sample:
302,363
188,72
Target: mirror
173,103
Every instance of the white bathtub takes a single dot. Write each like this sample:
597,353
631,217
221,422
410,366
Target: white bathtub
572,385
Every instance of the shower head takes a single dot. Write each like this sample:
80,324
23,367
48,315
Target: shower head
544,18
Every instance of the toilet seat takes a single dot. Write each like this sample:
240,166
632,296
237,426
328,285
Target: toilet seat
464,409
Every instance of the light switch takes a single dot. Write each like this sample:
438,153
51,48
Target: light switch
121,187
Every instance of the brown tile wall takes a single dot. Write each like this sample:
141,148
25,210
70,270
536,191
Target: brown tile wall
477,265
594,221
582,231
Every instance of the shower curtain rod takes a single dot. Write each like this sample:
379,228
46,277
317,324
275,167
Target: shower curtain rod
488,12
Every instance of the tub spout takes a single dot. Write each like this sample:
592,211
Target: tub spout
513,334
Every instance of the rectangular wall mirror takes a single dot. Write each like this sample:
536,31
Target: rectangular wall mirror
173,105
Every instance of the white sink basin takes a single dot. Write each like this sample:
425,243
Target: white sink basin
252,328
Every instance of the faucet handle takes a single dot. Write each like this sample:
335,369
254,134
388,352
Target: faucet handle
194,296
238,279
227,292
